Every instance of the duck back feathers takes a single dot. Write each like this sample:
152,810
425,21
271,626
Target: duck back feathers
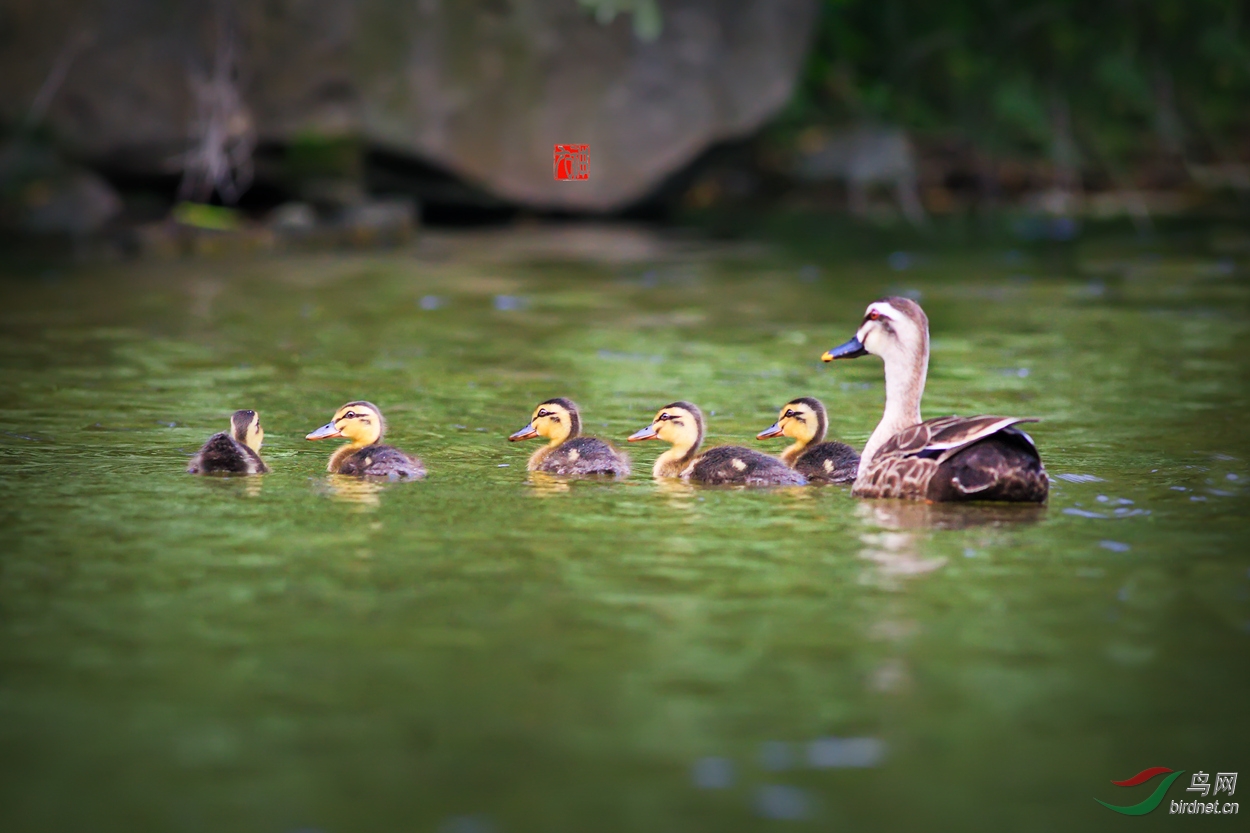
381,461
584,456
830,462
735,465
957,459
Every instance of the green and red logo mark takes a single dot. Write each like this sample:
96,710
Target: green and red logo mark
1155,798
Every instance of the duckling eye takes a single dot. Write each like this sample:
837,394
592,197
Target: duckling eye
790,414
542,412
665,416
874,315
349,415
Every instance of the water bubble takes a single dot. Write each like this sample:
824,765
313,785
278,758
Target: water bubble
713,773
1114,546
785,803
508,303
776,755
899,261
1084,513
1102,498
467,824
1079,478
1231,476
827,753
1178,489
1197,498
430,302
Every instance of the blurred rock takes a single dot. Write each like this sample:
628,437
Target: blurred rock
481,89
42,194
293,218
389,221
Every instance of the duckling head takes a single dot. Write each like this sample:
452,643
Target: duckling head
556,420
804,420
681,424
894,328
245,428
359,421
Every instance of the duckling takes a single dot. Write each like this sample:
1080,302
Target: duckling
365,456
681,424
805,420
944,459
233,453
568,453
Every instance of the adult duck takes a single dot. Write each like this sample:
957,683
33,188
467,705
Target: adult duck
945,459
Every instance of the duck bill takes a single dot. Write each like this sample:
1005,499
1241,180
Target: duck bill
529,432
853,349
647,433
771,431
325,432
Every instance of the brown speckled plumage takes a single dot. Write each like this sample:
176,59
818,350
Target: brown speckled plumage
955,459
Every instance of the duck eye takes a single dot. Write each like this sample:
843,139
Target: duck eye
663,416
349,415
789,414
542,412
874,315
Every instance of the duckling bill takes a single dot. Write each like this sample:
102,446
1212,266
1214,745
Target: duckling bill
681,423
365,456
567,452
805,420
236,452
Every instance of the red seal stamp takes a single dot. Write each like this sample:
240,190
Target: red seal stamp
572,162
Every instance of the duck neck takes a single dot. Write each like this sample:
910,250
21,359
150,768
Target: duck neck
538,456
905,375
341,454
793,452
672,462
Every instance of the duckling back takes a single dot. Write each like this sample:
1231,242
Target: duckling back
735,465
381,461
830,462
584,456
223,454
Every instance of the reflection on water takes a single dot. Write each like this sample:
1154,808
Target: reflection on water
363,493
543,484
303,651
916,514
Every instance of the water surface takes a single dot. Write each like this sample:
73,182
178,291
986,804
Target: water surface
485,652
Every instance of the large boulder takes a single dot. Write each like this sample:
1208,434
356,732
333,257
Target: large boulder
483,88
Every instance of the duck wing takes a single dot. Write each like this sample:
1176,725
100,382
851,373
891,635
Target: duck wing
735,465
830,462
958,458
585,455
383,461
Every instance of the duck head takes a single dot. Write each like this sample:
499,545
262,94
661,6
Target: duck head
556,420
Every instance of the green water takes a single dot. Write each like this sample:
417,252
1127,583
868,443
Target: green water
480,653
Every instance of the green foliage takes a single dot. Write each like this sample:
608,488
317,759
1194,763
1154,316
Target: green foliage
1122,79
